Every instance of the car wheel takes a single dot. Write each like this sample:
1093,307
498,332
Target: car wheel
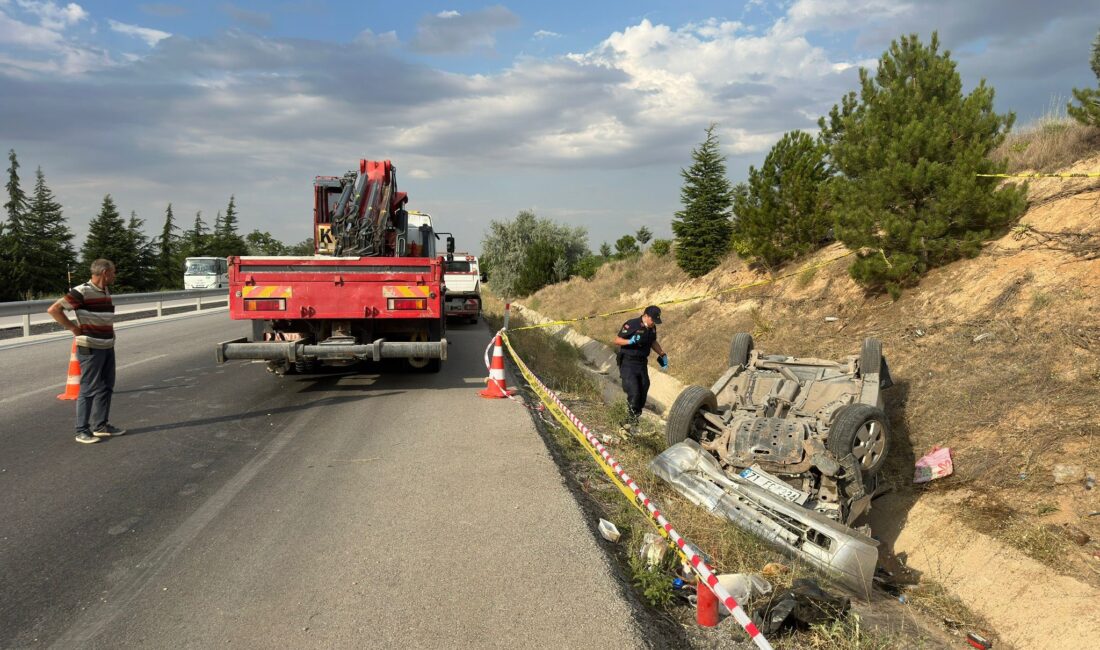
870,357
685,417
860,430
740,348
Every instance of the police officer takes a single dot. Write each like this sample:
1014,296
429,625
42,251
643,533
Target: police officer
636,337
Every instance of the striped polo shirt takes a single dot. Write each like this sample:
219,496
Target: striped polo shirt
94,313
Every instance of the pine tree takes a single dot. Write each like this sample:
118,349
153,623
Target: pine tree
142,261
196,241
907,196
47,246
702,228
605,250
643,235
227,241
13,270
108,238
169,261
1089,98
626,246
778,213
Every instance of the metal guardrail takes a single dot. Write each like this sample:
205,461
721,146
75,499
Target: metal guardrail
28,308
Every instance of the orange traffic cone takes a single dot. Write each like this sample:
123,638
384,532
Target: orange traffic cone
496,388
72,382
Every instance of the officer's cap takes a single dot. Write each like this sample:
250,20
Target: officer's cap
654,312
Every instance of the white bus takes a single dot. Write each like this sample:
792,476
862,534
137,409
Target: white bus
205,273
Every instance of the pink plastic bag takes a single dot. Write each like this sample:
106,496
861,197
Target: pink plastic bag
935,464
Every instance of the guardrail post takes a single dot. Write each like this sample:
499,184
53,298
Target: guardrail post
26,324
198,303
160,308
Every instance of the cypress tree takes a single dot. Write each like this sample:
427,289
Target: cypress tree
703,227
169,263
47,246
777,213
907,152
1088,112
108,238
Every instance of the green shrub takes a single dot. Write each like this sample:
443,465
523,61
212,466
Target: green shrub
661,247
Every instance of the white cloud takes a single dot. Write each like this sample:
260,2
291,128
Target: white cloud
542,34
147,34
448,14
53,16
627,108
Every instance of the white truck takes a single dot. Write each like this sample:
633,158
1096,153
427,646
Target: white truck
462,278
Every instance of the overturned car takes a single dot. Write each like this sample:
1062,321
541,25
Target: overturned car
788,449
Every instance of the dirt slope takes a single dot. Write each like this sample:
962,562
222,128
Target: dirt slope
997,357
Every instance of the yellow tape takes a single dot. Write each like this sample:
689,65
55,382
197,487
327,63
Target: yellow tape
564,420
1038,175
704,296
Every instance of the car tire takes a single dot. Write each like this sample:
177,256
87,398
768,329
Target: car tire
861,430
740,349
684,416
870,357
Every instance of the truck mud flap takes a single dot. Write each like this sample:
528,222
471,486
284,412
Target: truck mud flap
849,556
291,351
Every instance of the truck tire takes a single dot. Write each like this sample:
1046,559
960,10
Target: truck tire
870,356
684,420
740,349
861,430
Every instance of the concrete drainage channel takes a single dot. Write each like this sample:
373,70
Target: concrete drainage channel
986,574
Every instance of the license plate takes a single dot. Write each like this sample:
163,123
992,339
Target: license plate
760,478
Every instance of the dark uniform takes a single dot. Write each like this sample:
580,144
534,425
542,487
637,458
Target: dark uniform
633,369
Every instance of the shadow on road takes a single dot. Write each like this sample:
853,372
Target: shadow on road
279,410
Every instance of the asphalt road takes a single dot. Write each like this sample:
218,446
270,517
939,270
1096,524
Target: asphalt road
343,510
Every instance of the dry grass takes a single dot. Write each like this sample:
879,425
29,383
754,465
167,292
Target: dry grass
1052,142
933,599
728,548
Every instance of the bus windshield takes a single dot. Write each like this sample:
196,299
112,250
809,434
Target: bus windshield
457,266
201,267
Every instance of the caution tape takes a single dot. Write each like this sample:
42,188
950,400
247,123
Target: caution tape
637,498
1039,175
702,296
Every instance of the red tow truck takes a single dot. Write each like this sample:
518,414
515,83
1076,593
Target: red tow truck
373,290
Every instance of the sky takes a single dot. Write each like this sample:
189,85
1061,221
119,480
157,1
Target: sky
583,112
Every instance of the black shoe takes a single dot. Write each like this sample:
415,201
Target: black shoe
108,431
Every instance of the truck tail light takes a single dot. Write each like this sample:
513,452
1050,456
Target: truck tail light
471,304
265,304
407,303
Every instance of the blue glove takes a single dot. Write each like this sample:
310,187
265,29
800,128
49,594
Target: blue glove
634,340
663,361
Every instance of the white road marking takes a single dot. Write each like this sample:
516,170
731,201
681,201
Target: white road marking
60,386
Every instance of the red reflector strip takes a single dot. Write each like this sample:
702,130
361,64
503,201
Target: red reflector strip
408,303
265,304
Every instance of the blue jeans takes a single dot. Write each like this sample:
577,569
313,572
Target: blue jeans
97,384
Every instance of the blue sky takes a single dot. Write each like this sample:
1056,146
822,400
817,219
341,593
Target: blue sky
582,112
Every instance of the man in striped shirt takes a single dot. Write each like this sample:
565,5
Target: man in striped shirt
95,349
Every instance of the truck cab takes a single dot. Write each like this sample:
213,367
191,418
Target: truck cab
462,278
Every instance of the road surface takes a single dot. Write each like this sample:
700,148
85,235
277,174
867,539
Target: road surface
342,510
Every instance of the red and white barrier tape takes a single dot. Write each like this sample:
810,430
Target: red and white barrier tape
697,563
